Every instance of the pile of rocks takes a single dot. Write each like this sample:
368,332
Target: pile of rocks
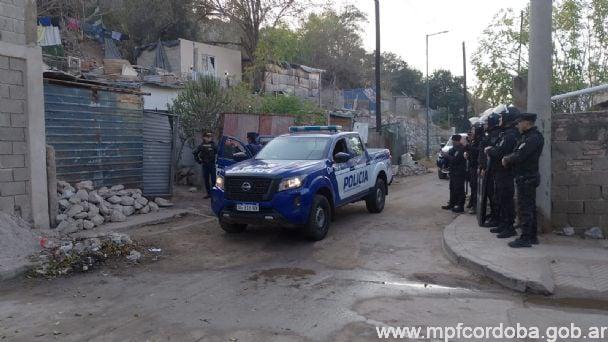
83,207
410,167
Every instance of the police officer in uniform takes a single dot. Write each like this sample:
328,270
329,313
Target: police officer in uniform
492,128
205,155
525,164
457,165
252,143
472,156
503,178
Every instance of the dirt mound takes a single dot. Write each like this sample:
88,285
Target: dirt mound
17,242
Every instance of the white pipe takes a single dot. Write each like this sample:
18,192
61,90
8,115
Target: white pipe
580,92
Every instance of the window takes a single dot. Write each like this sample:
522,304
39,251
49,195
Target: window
340,147
231,147
356,147
295,148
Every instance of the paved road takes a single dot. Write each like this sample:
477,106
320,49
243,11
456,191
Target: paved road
270,285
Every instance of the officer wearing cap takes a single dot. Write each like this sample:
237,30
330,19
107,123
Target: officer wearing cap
503,179
252,143
492,128
525,165
457,165
205,154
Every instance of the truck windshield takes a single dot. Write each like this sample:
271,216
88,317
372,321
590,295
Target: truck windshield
294,148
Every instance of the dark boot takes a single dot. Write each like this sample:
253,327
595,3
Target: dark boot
491,223
498,229
507,233
534,241
519,243
447,207
472,211
458,209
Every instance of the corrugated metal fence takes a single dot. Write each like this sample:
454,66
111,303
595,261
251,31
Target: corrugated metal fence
97,134
158,153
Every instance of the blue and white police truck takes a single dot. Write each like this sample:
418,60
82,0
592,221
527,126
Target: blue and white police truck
298,180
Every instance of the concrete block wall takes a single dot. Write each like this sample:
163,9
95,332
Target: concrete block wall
580,170
23,189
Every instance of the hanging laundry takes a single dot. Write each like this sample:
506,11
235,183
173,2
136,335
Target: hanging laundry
50,35
73,24
40,34
44,21
56,21
116,35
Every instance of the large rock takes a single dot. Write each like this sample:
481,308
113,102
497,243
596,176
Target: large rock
74,200
162,202
81,215
142,200
86,224
114,199
117,216
64,204
61,217
97,220
62,185
122,193
145,209
75,209
137,206
105,208
83,195
128,210
117,187
93,211
80,223
94,197
85,185
126,200
134,192
153,206
104,192
67,227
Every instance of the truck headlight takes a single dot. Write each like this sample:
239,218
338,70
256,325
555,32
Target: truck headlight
219,182
290,183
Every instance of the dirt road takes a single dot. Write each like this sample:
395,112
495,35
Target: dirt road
270,285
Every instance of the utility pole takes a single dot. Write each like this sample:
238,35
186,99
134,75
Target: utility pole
539,97
378,86
464,68
428,96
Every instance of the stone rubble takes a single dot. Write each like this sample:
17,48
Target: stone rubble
83,207
410,167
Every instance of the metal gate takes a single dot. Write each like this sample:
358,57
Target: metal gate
158,153
96,132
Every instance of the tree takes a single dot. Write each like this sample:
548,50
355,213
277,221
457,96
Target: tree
332,41
397,77
580,49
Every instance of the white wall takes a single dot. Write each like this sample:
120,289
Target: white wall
159,98
226,60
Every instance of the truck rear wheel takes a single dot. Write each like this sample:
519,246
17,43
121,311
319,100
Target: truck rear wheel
377,198
319,218
232,228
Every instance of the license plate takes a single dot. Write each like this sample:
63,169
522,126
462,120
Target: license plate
247,207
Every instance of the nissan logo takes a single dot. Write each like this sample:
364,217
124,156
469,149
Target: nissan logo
246,186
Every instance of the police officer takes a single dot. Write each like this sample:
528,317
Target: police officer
252,143
457,165
492,128
525,164
205,155
472,156
503,178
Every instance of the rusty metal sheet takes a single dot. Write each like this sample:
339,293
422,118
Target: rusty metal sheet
97,134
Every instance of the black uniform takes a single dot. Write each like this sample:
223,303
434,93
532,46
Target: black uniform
525,165
473,151
489,140
457,165
503,177
205,154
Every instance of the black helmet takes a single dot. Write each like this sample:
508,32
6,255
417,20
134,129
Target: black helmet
509,115
477,129
493,121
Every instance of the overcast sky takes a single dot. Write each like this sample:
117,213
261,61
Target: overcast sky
404,24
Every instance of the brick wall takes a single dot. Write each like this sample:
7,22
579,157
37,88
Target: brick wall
12,21
580,170
14,172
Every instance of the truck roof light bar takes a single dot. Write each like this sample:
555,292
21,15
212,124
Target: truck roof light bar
330,128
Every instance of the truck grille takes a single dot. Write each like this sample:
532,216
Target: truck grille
249,189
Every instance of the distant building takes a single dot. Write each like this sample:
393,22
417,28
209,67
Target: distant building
189,59
293,79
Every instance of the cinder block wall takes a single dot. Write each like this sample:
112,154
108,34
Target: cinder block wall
580,170
14,172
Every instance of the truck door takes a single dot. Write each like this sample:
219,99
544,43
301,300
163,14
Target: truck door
228,146
361,168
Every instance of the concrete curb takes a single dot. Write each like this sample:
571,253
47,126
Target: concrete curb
458,254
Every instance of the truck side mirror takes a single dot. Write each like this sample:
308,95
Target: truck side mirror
240,156
342,157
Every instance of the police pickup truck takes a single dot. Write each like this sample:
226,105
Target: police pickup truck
299,179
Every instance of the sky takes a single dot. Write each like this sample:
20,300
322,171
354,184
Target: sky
404,24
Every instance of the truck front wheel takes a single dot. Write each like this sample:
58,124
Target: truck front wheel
232,228
377,197
318,219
